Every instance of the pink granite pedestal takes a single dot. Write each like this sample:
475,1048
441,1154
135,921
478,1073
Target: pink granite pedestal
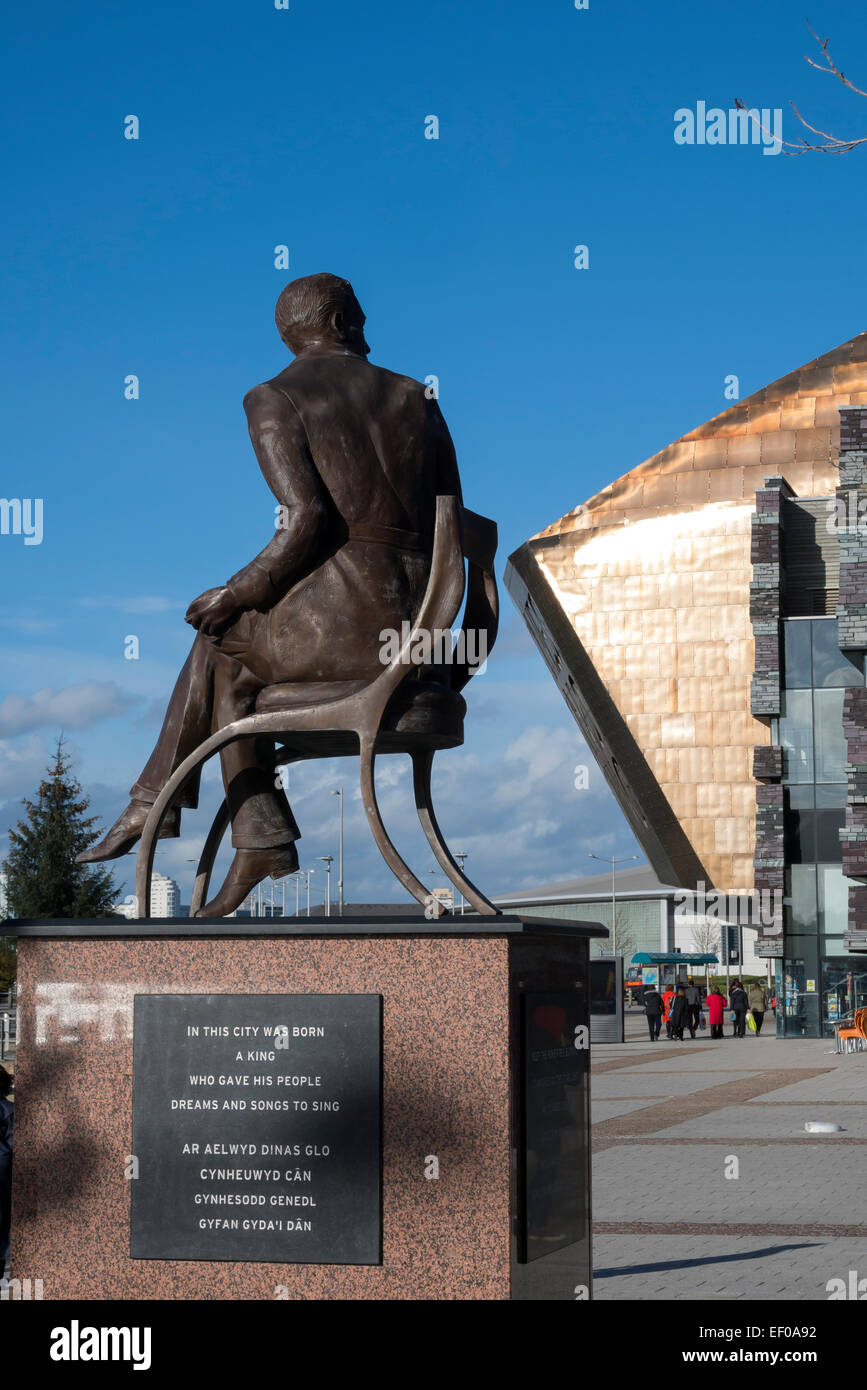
451,1087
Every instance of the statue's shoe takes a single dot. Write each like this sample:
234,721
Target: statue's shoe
126,832
248,869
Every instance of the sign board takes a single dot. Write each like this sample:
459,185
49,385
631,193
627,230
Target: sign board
257,1128
606,999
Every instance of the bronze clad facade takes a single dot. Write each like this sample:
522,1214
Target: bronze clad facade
660,606
649,582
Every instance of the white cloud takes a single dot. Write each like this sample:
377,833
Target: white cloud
34,626
21,768
543,751
144,603
76,707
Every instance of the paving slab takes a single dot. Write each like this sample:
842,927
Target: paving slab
602,1109
753,1120
836,1084
654,1084
681,1182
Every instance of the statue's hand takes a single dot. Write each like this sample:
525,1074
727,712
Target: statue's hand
212,611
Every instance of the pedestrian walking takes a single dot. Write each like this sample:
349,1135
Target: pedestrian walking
654,1009
758,998
668,1000
693,1005
739,1003
716,1004
679,1014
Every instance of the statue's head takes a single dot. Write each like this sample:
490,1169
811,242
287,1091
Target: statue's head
320,309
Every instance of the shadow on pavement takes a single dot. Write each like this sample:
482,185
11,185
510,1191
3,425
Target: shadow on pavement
706,1260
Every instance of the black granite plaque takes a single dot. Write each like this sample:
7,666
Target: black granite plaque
257,1127
554,1157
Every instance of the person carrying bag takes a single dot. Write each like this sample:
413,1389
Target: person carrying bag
740,1003
758,1007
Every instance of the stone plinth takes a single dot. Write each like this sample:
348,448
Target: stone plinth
467,1012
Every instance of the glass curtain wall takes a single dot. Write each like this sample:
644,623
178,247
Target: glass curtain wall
815,979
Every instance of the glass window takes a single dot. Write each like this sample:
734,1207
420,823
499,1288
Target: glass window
834,899
796,656
801,988
828,827
810,731
844,987
831,794
802,898
796,736
831,667
835,946
800,836
830,742
801,797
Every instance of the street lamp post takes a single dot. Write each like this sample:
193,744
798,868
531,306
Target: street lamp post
327,860
339,792
461,856
613,861
309,872
189,861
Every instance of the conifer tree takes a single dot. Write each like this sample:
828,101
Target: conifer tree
43,879
8,962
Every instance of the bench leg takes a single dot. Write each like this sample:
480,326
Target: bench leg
144,864
401,870
422,763
209,854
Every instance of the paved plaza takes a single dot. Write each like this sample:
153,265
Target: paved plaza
672,1119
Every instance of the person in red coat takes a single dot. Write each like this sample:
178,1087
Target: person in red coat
716,1003
668,1000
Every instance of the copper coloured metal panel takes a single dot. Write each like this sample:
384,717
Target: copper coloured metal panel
686,576
652,577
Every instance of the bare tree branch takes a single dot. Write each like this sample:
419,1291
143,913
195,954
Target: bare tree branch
833,143
831,66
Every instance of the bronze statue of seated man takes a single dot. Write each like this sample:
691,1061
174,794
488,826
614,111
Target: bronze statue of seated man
355,456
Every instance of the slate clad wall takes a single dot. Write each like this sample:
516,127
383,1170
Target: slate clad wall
766,598
852,631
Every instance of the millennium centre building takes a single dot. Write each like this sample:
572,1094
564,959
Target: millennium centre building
705,618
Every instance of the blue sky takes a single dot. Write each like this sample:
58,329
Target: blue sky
306,127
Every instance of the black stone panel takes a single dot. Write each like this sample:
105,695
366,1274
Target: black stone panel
257,1128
